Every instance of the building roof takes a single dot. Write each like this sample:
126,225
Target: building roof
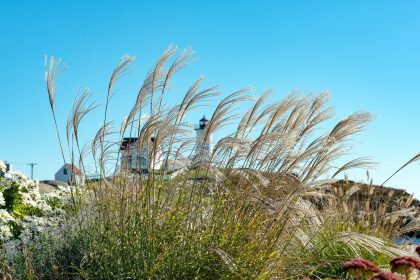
74,169
130,140
127,141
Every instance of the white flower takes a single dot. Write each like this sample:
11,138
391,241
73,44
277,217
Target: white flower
27,199
2,166
5,233
5,216
64,189
10,248
38,224
25,196
44,207
26,236
37,196
29,225
2,201
52,195
19,175
23,224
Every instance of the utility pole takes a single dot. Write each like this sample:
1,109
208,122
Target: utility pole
32,169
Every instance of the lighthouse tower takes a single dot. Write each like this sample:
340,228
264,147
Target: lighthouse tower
203,148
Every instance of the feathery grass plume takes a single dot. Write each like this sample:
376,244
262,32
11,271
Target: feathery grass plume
317,112
249,120
193,97
50,76
354,123
103,130
364,162
119,71
180,62
143,97
333,144
411,161
80,109
161,61
53,69
84,152
100,144
370,244
222,113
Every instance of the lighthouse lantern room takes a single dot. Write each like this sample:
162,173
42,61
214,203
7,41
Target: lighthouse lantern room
203,146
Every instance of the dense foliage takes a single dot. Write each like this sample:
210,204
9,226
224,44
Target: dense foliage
25,213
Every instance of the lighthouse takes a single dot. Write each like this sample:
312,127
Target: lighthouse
203,146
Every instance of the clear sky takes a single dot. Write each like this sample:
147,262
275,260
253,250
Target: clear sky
365,53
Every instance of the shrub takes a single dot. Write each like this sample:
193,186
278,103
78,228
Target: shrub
26,215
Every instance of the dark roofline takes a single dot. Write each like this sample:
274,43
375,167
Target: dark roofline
73,168
127,141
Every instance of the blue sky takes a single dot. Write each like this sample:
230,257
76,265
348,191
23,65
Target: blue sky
365,53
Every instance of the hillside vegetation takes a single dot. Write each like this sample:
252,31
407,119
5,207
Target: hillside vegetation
398,208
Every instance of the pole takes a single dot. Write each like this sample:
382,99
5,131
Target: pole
32,169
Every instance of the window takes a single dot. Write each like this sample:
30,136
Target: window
65,171
130,161
143,161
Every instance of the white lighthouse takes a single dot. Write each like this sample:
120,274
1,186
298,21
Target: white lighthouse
203,146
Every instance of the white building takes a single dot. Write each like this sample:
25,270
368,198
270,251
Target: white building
203,148
70,174
135,158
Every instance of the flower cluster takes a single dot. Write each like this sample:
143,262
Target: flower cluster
405,264
385,275
24,212
362,269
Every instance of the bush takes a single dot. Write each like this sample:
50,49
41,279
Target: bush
25,214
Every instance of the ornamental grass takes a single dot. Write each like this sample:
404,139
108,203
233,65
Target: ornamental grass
259,206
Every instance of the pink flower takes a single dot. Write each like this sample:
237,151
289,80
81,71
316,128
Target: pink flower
385,276
404,265
405,262
360,268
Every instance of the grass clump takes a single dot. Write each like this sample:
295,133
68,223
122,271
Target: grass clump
254,208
